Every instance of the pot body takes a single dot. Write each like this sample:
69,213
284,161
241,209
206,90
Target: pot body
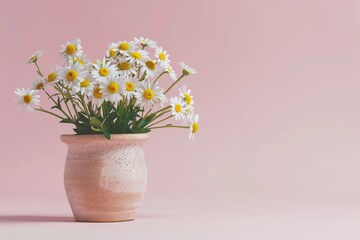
105,180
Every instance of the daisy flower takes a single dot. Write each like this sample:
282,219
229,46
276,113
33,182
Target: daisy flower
138,57
178,107
186,69
38,84
111,52
102,70
85,86
171,72
73,74
84,61
163,57
123,46
35,56
95,95
185,94
125,68
150,68
72,49
149,94
27,97
130,85
145,42
111,88
194,126
53,76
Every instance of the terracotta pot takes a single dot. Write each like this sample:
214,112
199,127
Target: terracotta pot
105,180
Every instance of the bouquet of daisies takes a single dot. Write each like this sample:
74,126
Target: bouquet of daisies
115,95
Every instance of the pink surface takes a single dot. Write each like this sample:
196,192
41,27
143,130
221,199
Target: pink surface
278,98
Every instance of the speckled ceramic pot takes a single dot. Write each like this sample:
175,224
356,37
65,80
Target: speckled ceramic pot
105,180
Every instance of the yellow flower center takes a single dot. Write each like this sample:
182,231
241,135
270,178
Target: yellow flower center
85,83
170,70
162,56
97,93
124,46
71,75
148,94
129,86
113,87
136,55
150,65
195,127
79,60
187,99
177,108
124,66
27,98
104,72
71,49
39,86
112,52
52,77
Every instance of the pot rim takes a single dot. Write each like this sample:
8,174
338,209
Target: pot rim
66,138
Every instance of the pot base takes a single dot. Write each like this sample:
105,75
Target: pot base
106,217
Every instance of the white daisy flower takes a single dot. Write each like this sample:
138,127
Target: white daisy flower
86,86
163,57
149,94
35,56
111,52
125,68
28,98
150,68
123,46
112,88
186,69
103,69
73,74
194,126
139,57
72,49
178,107
53,76
84,61
95,95
185,94
171,72
130,85
38,84
145,42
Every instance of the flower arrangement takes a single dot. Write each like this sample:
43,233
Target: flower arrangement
118,94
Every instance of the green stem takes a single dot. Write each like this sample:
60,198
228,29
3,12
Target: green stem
57,105
162,113
169,126
38,69
45,111
57,87
160,121
158,77
183,75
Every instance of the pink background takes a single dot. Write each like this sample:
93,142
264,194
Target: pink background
278,97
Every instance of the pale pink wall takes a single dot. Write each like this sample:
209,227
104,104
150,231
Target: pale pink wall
277,93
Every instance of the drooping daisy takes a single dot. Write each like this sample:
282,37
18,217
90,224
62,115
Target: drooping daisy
145,42
28,98
73,74
149,94
123,46
38,84
102,70
53,76
85,87
35,56
150,68
139,57
163,57
178,107
194,126
111,88
95,95
186,69
185,94
72,49
171,72
130,85
125,68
